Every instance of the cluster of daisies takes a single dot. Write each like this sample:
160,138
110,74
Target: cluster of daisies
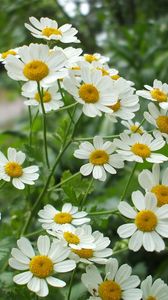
47,73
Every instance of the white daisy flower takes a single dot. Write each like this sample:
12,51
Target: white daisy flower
150,223
94,91
51,96
158,118
53,219
48,29
75,238
36,63
4,55
158,92
132,127
97,254
11,169
40,268
95,57
139,147
154,290
101,158
118,283
156,183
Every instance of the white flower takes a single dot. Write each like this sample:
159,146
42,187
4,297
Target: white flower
156,183
133,127
48,29
139,147
40,268
53,219
101,159
158,118
11,169
94,91
150,223
98,254
158,92
118,282
51,96
95,57
4,55
36,63
156,290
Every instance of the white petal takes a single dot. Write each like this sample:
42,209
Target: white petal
126,210
86,169
43,244
23,278
55,282
126,230
135,241
34,284
148,242
43,292
65,266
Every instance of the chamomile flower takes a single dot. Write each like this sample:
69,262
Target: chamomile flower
156,183
96,254
5,54
53,219
139,147
11,169
118,283
149,225
158,118
51,96
101,158
36,63
48,29
96,57
39,268
154,290
94,91
132,127
158,92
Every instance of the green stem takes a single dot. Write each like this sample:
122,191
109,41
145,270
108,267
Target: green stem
37,232
67,107
91,138
31,123
86,194
64,100
40,92
70,285
3,184
120,251
128,182
63,182
140,125
106,212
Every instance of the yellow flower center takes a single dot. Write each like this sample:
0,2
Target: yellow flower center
161,192
162,123
135,128
5,54
71,238
141,150
158,95
49,31
13,169
35,70
46,97
63,218
90,58
89,93
146,220
115,107
104,71
41,266
75,68
83,253
151,298
99,157
109,290
115,77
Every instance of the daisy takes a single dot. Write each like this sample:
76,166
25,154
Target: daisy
118,283
48,29
158,118
97,254
94,91
11,169
4,55
132,127
51,96
39,268
36,63
96,57
149,223
156,290
139,147
156,183
158,92
53,219
101,158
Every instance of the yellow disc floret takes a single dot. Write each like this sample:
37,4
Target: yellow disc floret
109,290
135,128
161,192
99,157
71,238
89,93
158,95
151,298
35,70
46,97
48,31
162,123
63,218
141,150
13,169
90,58
115,77
104,71
41,266
9,52
146,220
83,253
115,107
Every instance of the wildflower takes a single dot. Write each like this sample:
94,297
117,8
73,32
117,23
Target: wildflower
156,290
5,54
132,127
